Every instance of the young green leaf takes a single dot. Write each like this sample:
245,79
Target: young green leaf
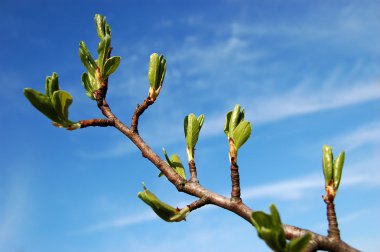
41,102
227,123
51,84
87,59
191,128
61,101
110,66
103,49
241,133
327,163
298,244
87,85
236,116
100,25
338,168
177,165
156,74
163,210
201,120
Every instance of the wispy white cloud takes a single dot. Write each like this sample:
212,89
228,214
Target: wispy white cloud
367,134
304,100
119,222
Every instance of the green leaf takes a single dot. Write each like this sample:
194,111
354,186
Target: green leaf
51,84
191,128
157,70
338,168
167,157
87,85
227,123
298,244
163,210
87,59
61,101
110,66
241,133
41,102
327,163
103,49
177,165
201,120
269,228
236,116
100,25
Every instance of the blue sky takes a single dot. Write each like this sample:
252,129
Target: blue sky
306,72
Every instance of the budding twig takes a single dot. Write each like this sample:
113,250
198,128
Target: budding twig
235,179
138,112
193,172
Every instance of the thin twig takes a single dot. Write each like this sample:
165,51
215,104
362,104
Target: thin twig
333,231
104,122
193,172
235,179
138,112
198,203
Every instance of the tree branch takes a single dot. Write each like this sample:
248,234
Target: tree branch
195,189
193,172
235,179
104,122
138,112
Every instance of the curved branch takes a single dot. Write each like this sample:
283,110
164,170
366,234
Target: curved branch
195,189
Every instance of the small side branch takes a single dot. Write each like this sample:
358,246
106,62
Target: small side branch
97,122
198,204
138,112
193,172
333,231
235,179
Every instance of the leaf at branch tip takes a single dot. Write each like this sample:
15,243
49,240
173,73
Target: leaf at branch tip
100,27
163,210
53,105
61,101
110,66
227,123
51,84
241,133
236,116
327,163
338,168
157,70
191,127
41,102
103,48
87,59
201,120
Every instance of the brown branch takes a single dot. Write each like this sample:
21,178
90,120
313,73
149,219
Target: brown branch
235,179
318,242
193,172
198,204
105,122
138,112
333,231
195,189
